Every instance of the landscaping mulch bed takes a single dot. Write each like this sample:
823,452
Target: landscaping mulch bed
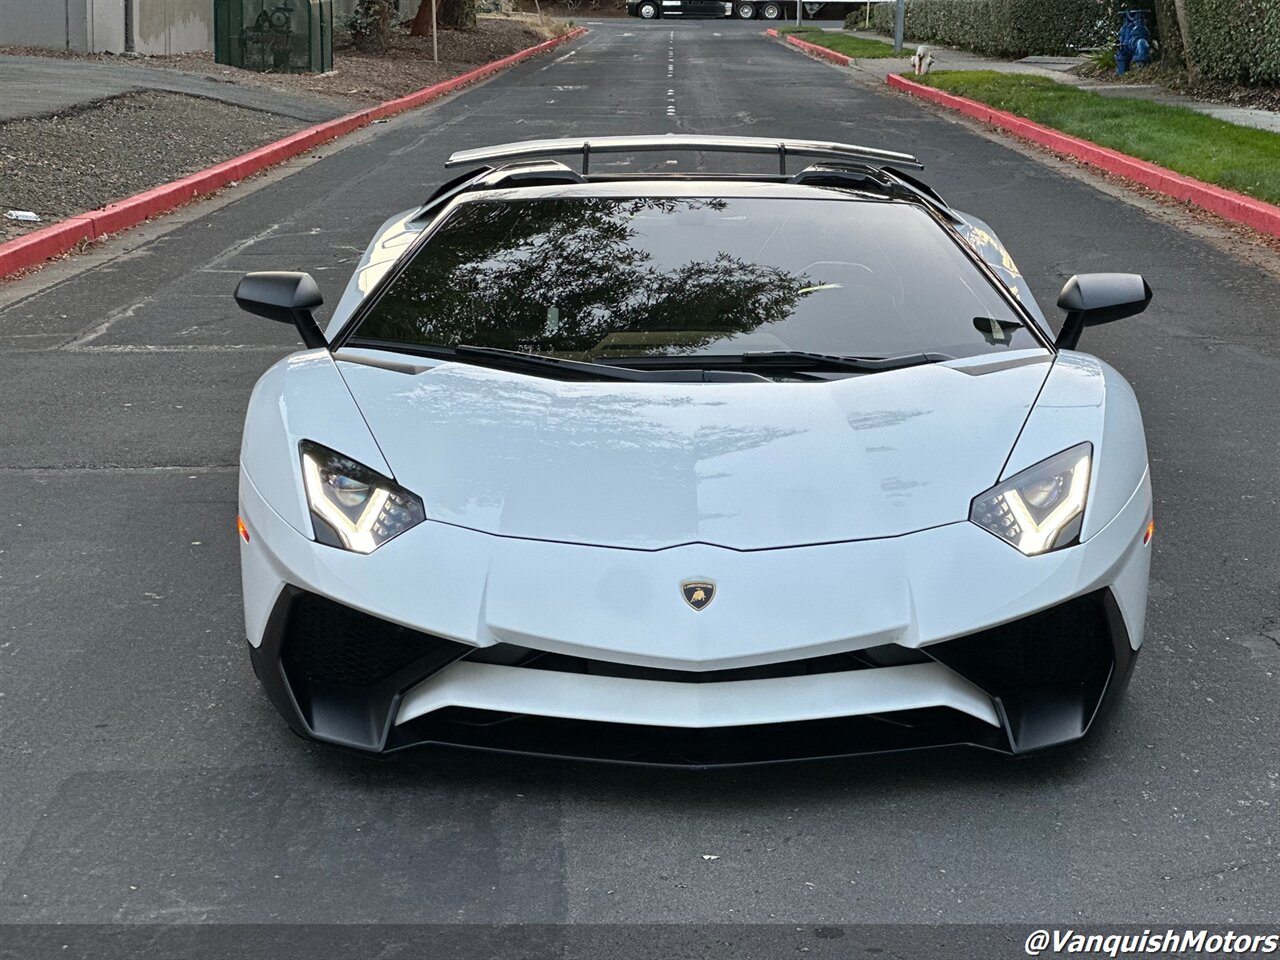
58,166
1176,81
365,77
361,77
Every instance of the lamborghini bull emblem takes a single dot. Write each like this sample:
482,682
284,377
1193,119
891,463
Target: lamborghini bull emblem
698,593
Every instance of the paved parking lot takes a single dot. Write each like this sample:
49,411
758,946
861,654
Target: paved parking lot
145,777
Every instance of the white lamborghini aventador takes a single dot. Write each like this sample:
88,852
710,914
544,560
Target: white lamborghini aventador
693,469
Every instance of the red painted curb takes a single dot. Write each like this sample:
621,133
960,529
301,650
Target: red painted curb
1258,214
40,245
816,51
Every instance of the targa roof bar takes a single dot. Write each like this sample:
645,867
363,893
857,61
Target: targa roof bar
531,149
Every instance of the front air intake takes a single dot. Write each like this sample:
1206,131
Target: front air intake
1047,672
343,671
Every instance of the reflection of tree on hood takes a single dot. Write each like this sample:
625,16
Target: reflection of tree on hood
562,275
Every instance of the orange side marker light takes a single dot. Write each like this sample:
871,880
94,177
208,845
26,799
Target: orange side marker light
1146,537
244,531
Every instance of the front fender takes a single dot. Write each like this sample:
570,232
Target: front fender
1086,399
303,397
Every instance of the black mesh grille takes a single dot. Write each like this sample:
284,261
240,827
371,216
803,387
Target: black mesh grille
671,746
326,642
511,655
1049,671
1062,647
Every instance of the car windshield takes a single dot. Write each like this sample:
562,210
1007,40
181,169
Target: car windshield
603,279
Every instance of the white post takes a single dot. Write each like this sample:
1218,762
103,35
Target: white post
435,34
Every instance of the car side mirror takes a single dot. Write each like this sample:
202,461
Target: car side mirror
286,298
1094,298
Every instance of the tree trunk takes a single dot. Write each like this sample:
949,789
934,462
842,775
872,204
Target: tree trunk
422,25
452,15
1188,43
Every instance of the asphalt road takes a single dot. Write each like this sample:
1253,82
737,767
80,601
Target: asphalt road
38,86
145,778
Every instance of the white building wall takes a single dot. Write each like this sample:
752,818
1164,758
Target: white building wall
38,23
104,26
98,26
172,26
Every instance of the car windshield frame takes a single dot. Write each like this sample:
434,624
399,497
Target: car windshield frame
348,335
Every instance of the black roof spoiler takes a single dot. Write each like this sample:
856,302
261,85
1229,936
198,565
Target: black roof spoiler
536,149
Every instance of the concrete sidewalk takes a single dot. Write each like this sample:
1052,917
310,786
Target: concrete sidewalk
946,58
37,86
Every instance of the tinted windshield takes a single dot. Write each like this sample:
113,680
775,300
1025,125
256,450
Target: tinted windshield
601,278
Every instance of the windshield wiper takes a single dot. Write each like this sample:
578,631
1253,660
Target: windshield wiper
565,369
557,367
781,359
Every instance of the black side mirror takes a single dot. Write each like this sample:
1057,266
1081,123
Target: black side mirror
283,297
1094,298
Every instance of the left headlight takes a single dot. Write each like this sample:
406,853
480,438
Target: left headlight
1041,508
352,506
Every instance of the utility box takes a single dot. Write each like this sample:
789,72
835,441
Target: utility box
274,36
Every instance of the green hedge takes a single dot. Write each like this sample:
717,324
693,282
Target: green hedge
1233,41
1005,28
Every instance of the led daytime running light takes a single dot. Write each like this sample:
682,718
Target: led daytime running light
340,519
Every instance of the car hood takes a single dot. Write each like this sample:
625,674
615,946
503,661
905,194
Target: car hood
751,465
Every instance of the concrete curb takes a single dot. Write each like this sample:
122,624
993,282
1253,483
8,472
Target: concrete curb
813,49
1258,214
34,248
822,53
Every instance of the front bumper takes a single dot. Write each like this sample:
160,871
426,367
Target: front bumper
456,637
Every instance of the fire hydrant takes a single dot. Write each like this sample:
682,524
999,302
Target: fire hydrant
1134,44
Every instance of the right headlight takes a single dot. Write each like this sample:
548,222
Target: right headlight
353,507
1041,508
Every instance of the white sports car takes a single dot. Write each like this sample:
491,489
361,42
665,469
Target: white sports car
692,468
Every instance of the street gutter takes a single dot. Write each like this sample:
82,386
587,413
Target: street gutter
35,248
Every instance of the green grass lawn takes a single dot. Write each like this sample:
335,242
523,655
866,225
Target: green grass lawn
1238,158
845,43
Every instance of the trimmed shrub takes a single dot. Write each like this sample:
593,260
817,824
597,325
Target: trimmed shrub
856,18
1235,41
1232,41
1009,28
